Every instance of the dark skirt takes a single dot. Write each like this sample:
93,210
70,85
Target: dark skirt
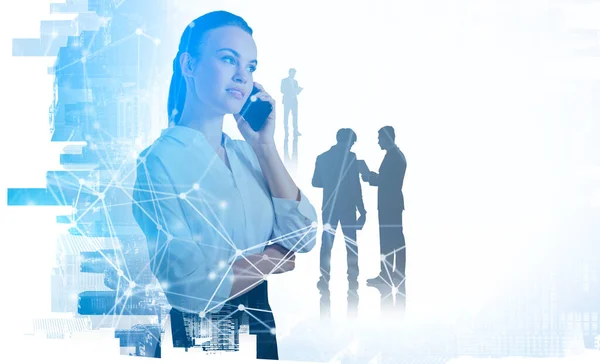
260,320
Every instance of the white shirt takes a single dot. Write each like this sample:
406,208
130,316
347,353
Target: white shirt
197,214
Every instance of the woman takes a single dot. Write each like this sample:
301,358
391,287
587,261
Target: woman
219,215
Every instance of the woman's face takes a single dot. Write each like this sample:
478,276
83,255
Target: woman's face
221,76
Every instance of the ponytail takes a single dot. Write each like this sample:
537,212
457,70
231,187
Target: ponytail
177,92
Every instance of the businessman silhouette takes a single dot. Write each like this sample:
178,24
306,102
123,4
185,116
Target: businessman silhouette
336,171
290,91
390,206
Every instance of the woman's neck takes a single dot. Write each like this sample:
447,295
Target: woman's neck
209,125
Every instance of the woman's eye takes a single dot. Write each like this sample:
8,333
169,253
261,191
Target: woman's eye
229,59
251,69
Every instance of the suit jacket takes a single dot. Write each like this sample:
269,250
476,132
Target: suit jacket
289,89
336,171
389,181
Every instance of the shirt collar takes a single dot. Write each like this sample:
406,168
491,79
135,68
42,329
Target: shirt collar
187,136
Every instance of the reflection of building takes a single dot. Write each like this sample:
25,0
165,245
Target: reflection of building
214,332
144,339
59,328
524,322
224,331
67,278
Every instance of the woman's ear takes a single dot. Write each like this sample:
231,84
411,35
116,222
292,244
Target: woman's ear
186,62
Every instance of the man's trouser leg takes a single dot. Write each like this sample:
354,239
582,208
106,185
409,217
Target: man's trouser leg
325,257
349,230
286,111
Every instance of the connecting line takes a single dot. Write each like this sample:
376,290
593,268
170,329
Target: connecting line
219,331
346,240
203,200
113,309
99,249
336,190
276,240
218,287
114,234
257,310
78,194
97,52
260,321
293,234
64,198
149,37
285,259
227,239
102,160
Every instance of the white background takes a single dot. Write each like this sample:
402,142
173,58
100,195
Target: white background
497,163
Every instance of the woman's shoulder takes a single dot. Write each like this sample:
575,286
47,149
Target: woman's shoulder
172,143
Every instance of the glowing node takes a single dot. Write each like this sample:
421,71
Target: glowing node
212,276
191,25
174,112
157,41
138,31
394,290
265,276
182,196
128,293
96,125
164,285
238,252
327,226
159,227
196,186
75,211
142,159
81,181
314,224
241,307
132,284
88,137
253,98
202,314
222,264
83,59
169,237
54,34
265,257
101,196
382,257
223,204
273,332
119,272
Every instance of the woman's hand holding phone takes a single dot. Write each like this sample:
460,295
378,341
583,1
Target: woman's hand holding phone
264,136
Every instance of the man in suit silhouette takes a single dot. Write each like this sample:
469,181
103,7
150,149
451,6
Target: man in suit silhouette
290,91
336,171
390,206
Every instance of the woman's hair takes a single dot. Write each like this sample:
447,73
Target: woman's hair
191,40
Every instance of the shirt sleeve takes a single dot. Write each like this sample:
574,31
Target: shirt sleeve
295,224
317,180
186,268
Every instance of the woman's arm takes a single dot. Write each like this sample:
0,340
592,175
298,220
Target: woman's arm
278,179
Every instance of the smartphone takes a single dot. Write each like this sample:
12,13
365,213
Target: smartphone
256,112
